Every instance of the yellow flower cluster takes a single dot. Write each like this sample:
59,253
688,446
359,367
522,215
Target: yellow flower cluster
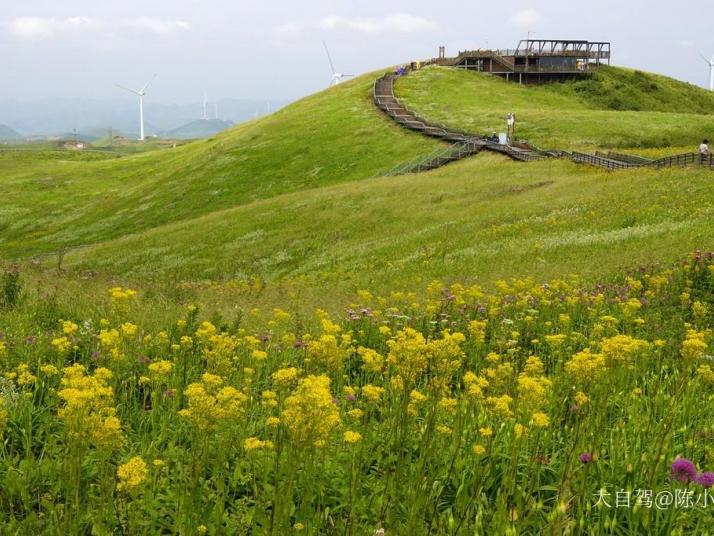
285,376
408,354
69,327
61,344
158,370
352,437
586,366
477,330
87,412
329,351
695,344
412,356
309,412
210,404
24,376
132,474
372,361
119,294
219,349
253,443
621,349
372,392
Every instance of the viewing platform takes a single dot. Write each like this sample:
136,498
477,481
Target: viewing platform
534,60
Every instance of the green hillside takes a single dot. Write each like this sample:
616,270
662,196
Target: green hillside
331,137
294,197
616,108
480,219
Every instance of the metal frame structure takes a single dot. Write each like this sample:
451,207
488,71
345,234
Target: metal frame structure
535,60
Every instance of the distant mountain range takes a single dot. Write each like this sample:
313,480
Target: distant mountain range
8,134
93,119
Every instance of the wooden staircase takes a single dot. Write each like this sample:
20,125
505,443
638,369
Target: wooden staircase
464,144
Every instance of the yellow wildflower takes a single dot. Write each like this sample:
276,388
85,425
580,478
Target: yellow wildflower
352,437
132,474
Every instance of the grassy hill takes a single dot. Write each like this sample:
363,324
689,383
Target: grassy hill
331,137
616,108
290,198
480,219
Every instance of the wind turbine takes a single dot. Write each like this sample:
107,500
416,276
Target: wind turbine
336,77
141,94
710,62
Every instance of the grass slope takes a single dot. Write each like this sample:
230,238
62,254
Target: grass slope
288,198
480,219
334,136
616,108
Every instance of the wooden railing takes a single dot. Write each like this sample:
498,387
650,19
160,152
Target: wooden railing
466,143
627,158
594,160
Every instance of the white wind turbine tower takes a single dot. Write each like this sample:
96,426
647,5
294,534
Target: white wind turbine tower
336,77
710,62
205,107
141,94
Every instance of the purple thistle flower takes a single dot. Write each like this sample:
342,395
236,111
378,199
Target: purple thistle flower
683,470
705,480
351,398
585,457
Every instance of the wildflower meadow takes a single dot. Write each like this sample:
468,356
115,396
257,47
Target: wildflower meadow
534,408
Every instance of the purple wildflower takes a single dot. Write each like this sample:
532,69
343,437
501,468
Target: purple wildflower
683,470
705,480
585,457
351,398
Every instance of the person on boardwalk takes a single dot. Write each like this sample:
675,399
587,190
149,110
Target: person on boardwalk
704,150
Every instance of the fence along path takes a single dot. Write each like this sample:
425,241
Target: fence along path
464,144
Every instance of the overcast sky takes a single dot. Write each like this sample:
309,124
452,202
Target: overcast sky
273,50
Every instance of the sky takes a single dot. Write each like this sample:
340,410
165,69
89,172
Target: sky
273,49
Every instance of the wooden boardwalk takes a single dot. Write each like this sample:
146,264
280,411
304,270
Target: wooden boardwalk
464,144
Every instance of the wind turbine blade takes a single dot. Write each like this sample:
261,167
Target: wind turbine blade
127,89
708,60
147,84
329,58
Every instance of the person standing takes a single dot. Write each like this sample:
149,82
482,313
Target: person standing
704,151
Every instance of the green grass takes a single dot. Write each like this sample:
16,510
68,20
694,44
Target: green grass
335,136
471,434
292,200
617,108
481,219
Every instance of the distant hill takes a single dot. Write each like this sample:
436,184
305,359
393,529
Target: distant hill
201,128
8,134
52,117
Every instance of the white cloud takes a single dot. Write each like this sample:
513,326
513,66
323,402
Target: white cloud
43,28
158,26
400,22
525,19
